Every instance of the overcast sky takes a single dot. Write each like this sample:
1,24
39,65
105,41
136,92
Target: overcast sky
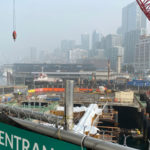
44,23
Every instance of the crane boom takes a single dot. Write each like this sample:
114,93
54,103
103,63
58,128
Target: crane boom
145,7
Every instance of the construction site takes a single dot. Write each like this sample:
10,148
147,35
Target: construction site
81,96
100,114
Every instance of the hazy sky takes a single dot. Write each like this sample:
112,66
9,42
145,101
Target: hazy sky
44,23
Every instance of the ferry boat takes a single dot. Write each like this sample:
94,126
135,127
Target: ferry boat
44,78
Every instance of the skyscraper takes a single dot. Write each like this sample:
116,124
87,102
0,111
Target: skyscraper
132,18
142,54
130,40
95,40
33,55
110,41
133,25
85,41
67,45
116,51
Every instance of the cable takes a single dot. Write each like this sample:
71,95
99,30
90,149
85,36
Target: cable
82,140
14,15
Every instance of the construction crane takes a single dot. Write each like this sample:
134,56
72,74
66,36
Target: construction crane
14,34
145,7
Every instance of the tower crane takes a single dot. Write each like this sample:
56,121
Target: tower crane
145,7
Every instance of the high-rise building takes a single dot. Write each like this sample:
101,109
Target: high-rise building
130,40
116,51
142,54
76,54
95,40
33,55
133,25
67,45
132,18
85,42
110,41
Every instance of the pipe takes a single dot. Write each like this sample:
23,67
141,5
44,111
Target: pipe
69,105
24,113
71,137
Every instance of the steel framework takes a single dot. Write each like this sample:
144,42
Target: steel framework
145,6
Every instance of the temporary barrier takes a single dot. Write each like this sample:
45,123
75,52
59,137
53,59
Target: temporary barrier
50,89
31,91
58,90
85,90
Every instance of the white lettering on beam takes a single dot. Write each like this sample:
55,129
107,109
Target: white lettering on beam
35,147
44,148
13,140
17,141
25,144
7,140
1,138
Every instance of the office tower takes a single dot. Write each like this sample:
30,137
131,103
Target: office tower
142,54
67,45
95,40
116,51
132,18
85,41
130,40
133,25
77,54
110,41
33,55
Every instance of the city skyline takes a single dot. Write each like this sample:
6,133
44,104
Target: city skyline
58,21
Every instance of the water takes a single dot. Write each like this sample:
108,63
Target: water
135,143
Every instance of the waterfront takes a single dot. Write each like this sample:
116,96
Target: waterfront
135,143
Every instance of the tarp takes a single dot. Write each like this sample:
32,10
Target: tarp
139,83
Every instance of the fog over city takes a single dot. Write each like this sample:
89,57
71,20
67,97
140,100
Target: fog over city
43,24
75,74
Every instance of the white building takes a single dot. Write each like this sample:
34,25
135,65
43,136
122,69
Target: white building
77,54
142,54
